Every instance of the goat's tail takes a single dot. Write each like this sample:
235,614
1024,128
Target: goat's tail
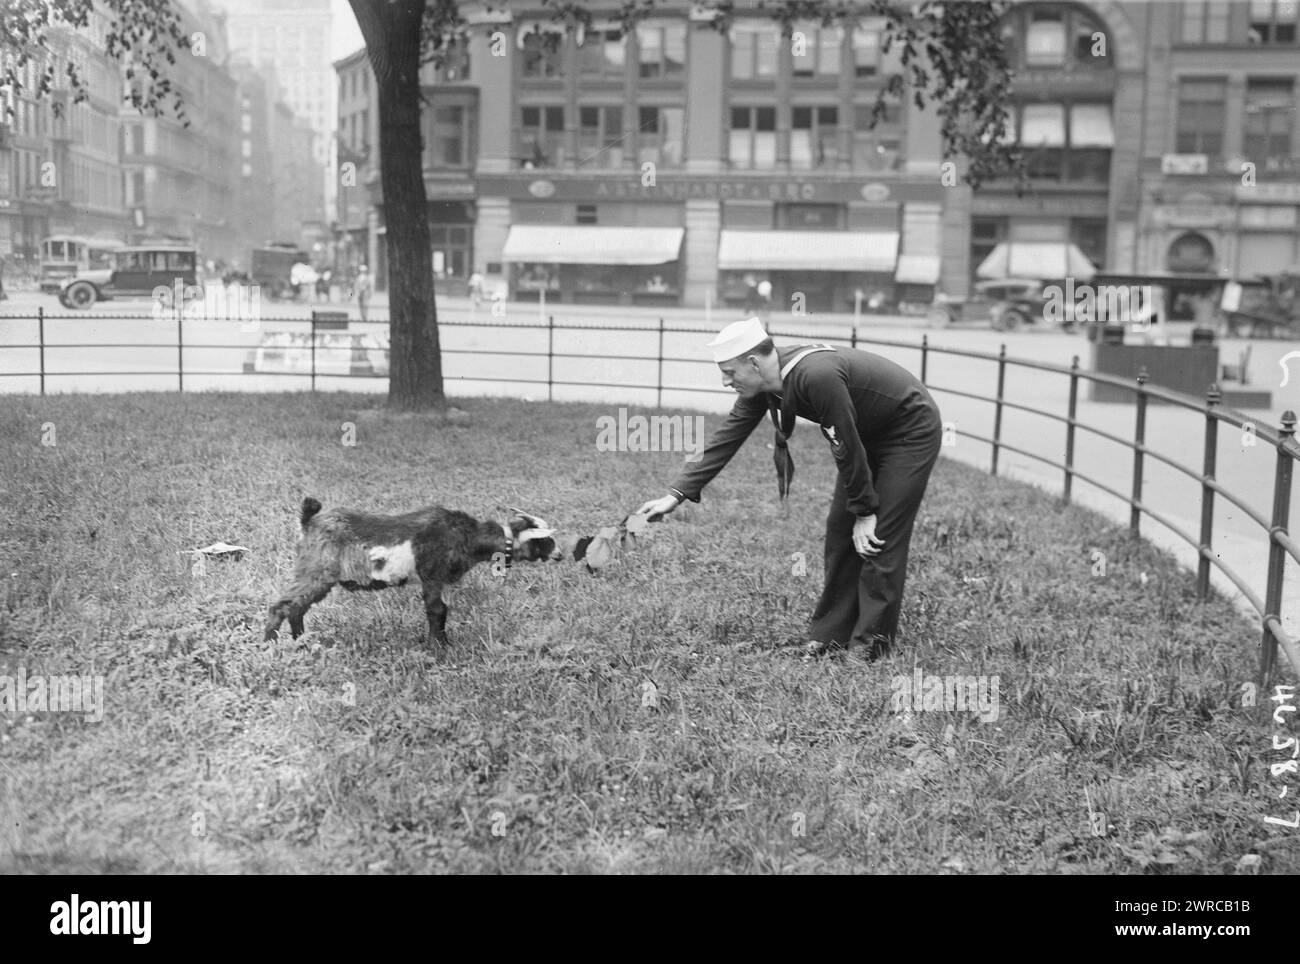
309,508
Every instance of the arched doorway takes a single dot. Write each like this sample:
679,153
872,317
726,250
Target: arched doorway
1190,252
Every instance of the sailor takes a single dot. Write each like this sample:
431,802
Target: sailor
884,431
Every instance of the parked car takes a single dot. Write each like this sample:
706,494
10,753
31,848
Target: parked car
136,272
1006,303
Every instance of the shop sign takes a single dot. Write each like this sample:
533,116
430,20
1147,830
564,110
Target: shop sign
1265,193
1184,164
667,188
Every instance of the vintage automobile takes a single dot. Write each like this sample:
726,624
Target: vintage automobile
1007,304
137,271
65,255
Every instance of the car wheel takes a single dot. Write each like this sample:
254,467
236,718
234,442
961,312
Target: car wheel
1012,319
80,295
938,317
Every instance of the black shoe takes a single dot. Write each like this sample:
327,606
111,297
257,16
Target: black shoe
864,652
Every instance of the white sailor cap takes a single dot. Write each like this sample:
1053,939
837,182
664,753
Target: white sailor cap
736,339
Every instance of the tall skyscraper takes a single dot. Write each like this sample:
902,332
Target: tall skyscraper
293,38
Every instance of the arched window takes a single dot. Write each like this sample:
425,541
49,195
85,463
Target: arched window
1056,35
1190,252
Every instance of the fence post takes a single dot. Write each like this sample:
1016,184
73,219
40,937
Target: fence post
313,351
1139,440
1069,427
659,381
1209,467
40,328
550,357
997,414
925,358
1276,554
180,337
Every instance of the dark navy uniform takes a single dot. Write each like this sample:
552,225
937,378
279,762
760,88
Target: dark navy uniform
885,432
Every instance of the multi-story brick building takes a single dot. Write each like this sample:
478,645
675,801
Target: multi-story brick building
1220,159
183,181
59,174
678,164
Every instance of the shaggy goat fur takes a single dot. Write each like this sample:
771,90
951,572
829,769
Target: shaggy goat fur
360,550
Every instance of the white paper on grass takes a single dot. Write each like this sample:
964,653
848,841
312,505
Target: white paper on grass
220,549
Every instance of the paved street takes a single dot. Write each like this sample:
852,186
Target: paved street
215,351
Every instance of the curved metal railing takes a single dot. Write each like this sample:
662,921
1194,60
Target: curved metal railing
1281,543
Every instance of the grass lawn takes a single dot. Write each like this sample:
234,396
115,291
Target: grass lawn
535,744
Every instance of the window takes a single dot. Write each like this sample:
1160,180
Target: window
815,50
1042,129
1089,236
1273,21
876,149
1045,38
659,133
454,67
662,47
814,138
542,135
753,51
1270,116
586,214
600,136
985,235
1205,23
753,138
603,54
1092,138
543,55
1201,117
448,137
866,53
1042,36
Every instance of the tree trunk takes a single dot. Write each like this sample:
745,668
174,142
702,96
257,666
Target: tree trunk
391,29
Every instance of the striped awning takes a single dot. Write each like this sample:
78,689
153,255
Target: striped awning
569,244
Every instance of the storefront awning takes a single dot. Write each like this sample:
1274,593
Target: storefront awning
808,250
917,269
1044,260
1042,125
1091,126
567,244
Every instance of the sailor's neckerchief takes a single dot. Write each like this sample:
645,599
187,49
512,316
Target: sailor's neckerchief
783,419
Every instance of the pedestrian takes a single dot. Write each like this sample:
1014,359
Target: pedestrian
752,301
3,296
885,432
765,297
364,287
323,286
476,287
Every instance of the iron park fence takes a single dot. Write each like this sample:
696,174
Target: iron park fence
1281,543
